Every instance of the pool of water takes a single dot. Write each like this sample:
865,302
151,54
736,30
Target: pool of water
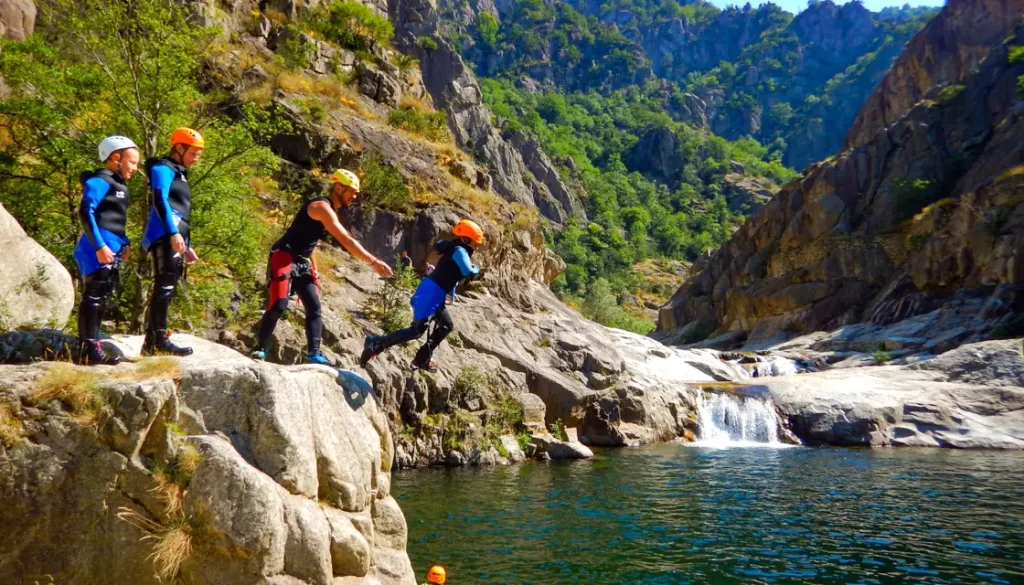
674,515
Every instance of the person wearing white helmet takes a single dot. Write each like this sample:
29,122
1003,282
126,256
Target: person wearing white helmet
292,269
103,213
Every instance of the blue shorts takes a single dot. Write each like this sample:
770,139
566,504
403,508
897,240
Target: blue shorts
428,298
85,254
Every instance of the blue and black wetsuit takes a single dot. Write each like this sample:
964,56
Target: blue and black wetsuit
428,301
103,213
170,212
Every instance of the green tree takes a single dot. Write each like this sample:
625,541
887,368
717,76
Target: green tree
131,68
488,27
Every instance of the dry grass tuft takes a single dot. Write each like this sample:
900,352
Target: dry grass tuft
11,429
170,494
427,198
153,368
188,461
327,259
171,549
261,94
1013,173
171,544
486,204
351,100
415,103
295,82
77,388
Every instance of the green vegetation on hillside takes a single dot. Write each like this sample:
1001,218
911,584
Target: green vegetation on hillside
631,217
580,76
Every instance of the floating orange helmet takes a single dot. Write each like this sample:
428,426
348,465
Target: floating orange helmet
469,229
436,575
188,137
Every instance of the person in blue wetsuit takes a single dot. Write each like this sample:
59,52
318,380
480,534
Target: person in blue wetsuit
167,234
428,302
103,213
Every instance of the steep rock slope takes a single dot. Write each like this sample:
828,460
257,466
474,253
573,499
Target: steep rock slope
947,50
451,84
757,71
925,210
212,469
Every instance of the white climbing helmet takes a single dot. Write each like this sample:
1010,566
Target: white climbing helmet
112,144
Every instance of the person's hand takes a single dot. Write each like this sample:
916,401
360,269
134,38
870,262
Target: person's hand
178,244
104,255
430,268
190,256
382,269
126,253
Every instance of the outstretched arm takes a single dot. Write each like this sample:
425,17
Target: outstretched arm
323,213
466,267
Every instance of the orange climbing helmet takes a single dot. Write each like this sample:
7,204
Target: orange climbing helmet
469,229
188,137
436,575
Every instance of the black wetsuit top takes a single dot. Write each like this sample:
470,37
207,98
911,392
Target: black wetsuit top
103,208
305,232
447,273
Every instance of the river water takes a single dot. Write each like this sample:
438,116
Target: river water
674,514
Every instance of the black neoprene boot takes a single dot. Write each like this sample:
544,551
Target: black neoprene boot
159,343
90,353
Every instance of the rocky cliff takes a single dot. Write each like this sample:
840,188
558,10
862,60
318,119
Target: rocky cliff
946,51
520,174
208,470
757,71
920,218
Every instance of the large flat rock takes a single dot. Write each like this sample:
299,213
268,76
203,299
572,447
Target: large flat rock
898,406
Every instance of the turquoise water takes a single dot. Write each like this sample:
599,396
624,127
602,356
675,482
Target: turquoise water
675,515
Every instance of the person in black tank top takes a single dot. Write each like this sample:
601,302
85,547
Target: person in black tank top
292,269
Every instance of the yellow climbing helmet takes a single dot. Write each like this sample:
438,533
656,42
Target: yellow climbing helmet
436,575
345,177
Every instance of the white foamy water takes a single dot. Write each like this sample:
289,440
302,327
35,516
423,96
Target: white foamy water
724,420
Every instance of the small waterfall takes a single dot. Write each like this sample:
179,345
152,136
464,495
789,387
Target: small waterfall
725,420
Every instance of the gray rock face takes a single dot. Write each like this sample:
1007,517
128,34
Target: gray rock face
378,86
747,195
992,363
890,229
17,19
898,406
552,197
964,32
453,87
655,153
292,484
36,290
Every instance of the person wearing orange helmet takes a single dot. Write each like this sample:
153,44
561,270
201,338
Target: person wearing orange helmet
436,575
167,233
428,302
293,270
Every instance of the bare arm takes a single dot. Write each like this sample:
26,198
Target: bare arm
323,213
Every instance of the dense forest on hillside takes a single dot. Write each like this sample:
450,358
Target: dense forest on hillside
650,104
